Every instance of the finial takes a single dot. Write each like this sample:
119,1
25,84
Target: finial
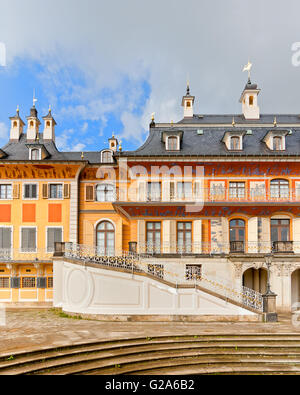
34,98
188,86
248,68
18,109
82,155
113,135
233,122
120,146
49,107
152,116
275,121
37,137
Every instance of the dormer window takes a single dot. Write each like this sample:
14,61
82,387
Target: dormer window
277,143
250,100
106,157
35,154
235,143
172,143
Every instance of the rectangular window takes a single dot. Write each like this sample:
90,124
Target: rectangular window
28,239
49,282
56,191
28,282
237,190
193,272
4,282
184,237
153,234
172,191
53,235
5,191
154,191
184,190
280,230
5,238
30,191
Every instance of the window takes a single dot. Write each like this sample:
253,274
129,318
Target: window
279,189
28,282
28,239
56,191
237,235
250,100
277,143
49,282
4,282
105,238
188,104
53,235
280,230
184,237
5,191
106,157
5,238
35,154
172,190
105,193
193,272
156,270
235,143
154,191
184,190
30,191
172,143
236,189
153,236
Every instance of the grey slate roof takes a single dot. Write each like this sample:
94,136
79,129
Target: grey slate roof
193,144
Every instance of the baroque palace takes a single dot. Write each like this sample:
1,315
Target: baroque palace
212,197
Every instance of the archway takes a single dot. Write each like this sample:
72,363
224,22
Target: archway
256,279
295,290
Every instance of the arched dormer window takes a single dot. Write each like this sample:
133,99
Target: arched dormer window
106,156
235,143
35,154
172,143
105,193
277,143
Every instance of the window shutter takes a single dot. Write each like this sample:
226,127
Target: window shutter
15,282
89,193
45,191
67,188
41,282
32,241
142,191
6,238
24,239
16,191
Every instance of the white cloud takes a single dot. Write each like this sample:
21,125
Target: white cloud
160,42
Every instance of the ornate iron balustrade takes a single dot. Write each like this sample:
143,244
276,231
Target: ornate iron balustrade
282,246
237,246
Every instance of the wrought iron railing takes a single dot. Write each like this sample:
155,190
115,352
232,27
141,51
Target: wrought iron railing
237,246
282,246
144,263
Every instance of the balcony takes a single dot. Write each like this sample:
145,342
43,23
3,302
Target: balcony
237,247
282,246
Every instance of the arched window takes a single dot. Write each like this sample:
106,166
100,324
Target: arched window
172,143
235,143
48,124
277,143
105,238
106,157
279,189
237,235
105,193
35,154
15,124
250,100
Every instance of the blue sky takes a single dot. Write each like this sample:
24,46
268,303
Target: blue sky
106,66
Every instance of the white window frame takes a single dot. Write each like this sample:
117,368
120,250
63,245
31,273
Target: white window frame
282,142
240,143
32,149
37,190
46,241
36,239
178,143
107,150
12,237
55,183
12,190
105,201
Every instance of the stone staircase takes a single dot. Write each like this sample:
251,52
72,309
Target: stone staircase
263,353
